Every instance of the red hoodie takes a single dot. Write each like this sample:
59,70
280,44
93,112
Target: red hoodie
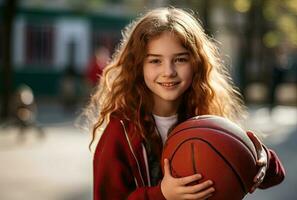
121,168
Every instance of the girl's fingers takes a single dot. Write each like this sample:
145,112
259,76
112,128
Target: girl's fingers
198,187
258,179
255,140
200,195
261,154
167,168
188,179
260,176
262,160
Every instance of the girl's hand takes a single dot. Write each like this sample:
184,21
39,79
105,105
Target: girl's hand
262,160
177,189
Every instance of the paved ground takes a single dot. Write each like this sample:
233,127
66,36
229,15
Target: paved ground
58,166
53,168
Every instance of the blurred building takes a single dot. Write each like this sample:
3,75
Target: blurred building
48,40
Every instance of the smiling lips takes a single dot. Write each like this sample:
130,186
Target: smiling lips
168,84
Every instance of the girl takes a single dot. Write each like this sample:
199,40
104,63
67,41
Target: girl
165,71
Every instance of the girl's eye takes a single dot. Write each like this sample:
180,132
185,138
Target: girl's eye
181,60
155,61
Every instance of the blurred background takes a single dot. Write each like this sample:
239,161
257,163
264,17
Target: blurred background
51,51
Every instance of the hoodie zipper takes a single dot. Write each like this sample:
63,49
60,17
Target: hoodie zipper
131,149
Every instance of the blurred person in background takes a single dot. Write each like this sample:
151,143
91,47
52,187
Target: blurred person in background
69,89
70,86
24,110
96,66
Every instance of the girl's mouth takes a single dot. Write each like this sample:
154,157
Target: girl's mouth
168,84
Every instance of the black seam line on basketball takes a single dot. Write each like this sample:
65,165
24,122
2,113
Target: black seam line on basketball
218,129
228,163
193,158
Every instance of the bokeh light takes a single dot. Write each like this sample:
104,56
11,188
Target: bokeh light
242,5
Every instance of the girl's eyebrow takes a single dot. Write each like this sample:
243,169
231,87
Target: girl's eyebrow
176,54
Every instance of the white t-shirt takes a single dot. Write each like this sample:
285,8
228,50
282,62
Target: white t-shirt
163,124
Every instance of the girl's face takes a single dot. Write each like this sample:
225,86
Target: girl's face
167,71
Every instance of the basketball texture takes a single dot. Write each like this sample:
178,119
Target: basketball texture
216,148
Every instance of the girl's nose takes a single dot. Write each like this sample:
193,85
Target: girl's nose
169,69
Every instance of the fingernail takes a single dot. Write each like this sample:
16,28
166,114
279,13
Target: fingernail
199,176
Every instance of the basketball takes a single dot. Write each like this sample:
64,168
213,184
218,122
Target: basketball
216,148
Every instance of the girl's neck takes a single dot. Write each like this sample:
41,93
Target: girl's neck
165,109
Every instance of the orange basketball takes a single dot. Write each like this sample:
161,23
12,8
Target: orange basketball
216,148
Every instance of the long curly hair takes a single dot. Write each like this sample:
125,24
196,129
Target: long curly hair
122,89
